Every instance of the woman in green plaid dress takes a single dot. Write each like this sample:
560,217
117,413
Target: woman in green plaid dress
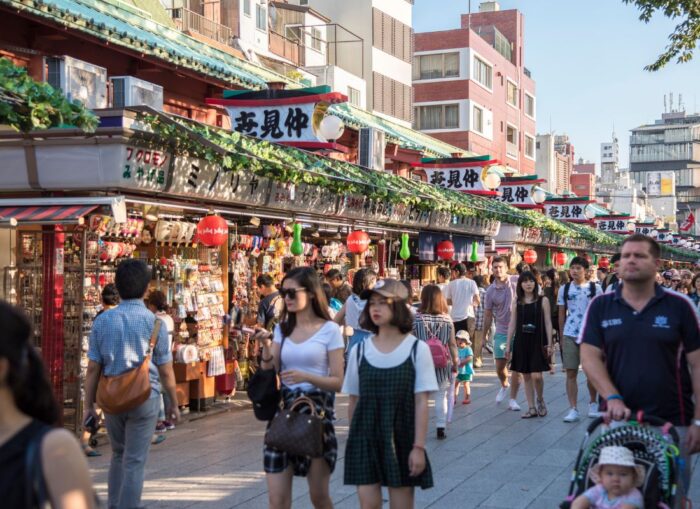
388,377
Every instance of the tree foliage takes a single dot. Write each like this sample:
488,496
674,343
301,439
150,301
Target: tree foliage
684,37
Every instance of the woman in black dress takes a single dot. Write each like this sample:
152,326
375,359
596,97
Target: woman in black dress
530,331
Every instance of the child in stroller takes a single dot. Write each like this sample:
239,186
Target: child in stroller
654,446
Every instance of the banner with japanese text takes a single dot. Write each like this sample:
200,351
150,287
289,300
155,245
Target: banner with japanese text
567,211
457,179
613,224
519,192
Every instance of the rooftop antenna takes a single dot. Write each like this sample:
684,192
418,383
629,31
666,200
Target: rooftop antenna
665,107
671,96
469,16
680,103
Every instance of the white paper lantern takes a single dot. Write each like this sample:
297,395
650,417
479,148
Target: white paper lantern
331,127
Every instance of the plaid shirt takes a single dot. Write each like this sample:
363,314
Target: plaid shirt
120,337
479,311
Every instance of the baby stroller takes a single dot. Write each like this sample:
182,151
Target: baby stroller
655,445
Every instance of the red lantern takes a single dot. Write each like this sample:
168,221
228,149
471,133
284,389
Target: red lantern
212,231
530,256
560,258
604,262
446,250
358,242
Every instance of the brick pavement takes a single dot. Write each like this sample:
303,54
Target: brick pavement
491,458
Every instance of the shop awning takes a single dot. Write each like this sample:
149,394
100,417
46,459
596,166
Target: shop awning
54,214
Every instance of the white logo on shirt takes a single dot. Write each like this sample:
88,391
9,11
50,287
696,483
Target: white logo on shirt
611,323
661,322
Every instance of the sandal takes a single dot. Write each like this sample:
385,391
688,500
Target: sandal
90,452
541,408
532,412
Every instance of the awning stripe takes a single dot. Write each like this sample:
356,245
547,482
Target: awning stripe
48,213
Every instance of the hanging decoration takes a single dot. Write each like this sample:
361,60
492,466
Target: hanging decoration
560,258
405,252
530,256
595,259
297,247
446,250
548,259
474,256
604,262
212,231
358,242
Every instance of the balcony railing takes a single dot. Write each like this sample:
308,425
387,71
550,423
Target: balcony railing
287,48
187,20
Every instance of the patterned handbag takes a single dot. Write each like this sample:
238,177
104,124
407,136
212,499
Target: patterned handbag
297,433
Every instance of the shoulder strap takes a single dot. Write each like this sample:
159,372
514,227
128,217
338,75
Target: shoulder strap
591,289
360,352
154,335
281,345
414,349
37,494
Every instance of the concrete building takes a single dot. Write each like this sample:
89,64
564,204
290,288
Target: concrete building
387,53
583,184
584,167
554,156
609,160
623,196
665,160
472,88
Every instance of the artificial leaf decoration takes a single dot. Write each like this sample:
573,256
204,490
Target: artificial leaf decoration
405,252
296,248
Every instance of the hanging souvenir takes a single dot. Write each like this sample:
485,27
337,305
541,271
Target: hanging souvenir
404,252
212,230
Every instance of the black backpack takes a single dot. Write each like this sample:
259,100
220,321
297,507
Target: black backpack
567,286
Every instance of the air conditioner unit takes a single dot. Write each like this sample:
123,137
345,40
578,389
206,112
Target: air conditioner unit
78,80
130,91
372,147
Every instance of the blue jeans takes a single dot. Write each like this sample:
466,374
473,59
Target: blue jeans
130,437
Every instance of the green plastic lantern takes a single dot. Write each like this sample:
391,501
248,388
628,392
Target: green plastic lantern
474,257
595,259
548,259
405,252
296,248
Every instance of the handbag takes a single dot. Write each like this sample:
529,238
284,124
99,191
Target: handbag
264,391
297,433
121,393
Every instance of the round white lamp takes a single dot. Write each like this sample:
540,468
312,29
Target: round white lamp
654,233
589,212
492,179
331,127
539,195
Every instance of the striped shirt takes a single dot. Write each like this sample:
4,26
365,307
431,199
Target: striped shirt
427,326
120,338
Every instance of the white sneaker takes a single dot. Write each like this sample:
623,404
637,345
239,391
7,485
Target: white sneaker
572,416
501,394
593,410
513,405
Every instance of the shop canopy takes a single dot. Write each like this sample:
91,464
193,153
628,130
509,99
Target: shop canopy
47,214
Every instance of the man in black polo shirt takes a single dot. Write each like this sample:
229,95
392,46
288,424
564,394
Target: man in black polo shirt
638,344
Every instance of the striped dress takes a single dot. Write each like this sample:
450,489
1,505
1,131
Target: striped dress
425,326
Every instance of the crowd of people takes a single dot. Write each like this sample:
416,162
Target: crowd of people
633,329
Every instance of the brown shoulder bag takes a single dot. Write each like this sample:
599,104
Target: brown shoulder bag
121,393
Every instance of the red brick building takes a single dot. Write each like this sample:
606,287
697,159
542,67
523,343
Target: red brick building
471,87
584,167
583,184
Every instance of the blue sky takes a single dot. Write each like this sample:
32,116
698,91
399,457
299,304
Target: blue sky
587,58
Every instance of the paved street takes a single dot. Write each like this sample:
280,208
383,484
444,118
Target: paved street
491,459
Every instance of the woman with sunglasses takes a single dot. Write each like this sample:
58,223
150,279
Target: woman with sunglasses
307,352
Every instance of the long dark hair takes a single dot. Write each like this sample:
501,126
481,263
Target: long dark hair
524,277
307,278
26,377
432,302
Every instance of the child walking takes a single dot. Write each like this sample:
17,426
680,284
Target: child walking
465,371
388,378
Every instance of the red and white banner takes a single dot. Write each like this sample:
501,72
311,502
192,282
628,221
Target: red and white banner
572,211
613,224
688,223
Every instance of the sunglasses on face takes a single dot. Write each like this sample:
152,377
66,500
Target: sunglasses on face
291,293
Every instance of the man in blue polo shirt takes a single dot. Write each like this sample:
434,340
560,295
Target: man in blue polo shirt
638,344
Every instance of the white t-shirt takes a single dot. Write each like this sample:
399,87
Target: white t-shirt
425,369
462,292
311,355
169,324
354,307
579,299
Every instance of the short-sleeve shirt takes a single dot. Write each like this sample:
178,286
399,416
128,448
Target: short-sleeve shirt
270,310
645,351
311,355
426,326
461,291
120,339
499,299
468,368
425,369
579,299
599,498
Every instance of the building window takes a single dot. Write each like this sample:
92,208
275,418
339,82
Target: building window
391,36
529,146
511,141
391,97
529,105
512,93
354,96
293,33
261,17
431,67
246,7
316,38
483,73
478,118
439,116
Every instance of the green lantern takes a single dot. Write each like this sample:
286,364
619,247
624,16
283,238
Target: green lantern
405,252
595,259
474,256
296,248
548,259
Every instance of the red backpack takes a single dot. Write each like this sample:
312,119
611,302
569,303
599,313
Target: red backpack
441,358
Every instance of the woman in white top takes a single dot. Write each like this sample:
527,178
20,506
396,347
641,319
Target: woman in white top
389,377
158,304
349,315
307,351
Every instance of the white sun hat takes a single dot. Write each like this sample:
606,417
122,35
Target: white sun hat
617,455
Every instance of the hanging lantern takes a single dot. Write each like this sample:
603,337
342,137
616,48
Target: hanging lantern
560,258
446,250
530,256
297,247
595,259
405,252
604,262
212,231
548,259
587,257
358,242
474,256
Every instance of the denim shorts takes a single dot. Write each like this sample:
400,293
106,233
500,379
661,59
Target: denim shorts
500,342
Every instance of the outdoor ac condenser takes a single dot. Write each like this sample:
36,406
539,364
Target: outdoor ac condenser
371,148
81,81
130,91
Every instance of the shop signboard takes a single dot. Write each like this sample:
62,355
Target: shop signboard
644,228
459,174
665,237
519,192
440,220
402,214
302,197
569,210
356,206
475,225
612,224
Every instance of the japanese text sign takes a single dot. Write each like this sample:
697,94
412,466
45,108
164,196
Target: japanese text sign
567,211
612,224
457,179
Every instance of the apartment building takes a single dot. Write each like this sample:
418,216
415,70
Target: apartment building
554,155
